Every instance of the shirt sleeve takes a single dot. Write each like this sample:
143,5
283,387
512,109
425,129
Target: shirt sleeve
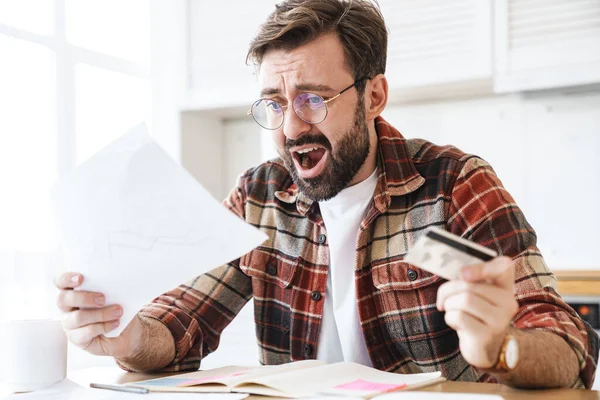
197,311
483,211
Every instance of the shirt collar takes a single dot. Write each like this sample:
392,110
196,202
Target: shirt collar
396,173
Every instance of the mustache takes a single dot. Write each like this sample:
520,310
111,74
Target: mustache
304,140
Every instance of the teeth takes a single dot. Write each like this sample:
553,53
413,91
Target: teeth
304,151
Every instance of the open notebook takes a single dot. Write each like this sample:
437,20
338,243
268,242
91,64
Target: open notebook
297,379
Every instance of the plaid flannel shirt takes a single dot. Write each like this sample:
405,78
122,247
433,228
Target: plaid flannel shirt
419,185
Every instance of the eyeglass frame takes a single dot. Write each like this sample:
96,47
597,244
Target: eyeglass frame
324,99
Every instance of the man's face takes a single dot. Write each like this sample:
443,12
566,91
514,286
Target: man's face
323,158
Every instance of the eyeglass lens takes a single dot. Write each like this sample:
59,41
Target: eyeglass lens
309,107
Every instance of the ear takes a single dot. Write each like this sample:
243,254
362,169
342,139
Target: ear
376,96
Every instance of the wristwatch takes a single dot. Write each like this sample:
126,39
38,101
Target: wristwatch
509,354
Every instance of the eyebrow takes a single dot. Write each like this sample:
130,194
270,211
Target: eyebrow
301,87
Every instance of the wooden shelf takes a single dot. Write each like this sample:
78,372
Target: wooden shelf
578,283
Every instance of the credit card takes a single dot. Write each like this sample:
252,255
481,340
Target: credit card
443,253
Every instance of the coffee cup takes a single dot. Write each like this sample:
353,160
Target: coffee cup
33,354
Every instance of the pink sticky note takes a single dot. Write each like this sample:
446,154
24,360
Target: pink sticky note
366,386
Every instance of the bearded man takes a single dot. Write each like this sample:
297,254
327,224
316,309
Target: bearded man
346,200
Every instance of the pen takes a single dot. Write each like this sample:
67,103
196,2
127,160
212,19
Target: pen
120,388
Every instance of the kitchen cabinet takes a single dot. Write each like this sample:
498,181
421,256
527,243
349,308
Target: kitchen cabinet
438,49
545,44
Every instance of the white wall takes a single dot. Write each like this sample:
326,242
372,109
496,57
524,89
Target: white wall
242,148
202,150
544,147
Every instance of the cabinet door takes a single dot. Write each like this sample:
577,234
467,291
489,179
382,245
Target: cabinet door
220,33
543,44
434,43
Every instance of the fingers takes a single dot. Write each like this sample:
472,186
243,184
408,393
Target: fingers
80,318
461,321
480,307
500,271
490,293
83,337
492,306
69,300
475,306
82,327
86,318
479,344
68,280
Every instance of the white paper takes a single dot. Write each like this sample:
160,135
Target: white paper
68,390
136,224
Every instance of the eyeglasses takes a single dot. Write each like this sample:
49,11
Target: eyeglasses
309,107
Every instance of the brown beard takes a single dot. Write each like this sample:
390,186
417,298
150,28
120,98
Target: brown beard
341,167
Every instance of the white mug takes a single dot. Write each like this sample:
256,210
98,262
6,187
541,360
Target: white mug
33,354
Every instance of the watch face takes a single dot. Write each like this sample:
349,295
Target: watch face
512,353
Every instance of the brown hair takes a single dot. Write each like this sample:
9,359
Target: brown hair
358,23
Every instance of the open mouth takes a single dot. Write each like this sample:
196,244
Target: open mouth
310,160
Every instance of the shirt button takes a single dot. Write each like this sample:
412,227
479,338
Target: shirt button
412,274
308,349
316,296
272,270
322,238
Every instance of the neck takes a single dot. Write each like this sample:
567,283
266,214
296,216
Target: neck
371,161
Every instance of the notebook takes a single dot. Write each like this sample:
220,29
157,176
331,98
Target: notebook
295,380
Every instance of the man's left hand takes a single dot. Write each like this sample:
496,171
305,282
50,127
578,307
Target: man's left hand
480,307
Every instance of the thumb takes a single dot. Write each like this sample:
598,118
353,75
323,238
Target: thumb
500,271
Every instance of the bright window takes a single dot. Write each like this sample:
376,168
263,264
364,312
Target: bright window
102,93
28,150
114,27
74,75
18,14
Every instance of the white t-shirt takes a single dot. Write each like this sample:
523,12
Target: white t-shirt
342,216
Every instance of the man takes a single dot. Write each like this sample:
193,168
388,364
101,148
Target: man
342,206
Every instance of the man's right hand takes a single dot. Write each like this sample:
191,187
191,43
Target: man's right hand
87,319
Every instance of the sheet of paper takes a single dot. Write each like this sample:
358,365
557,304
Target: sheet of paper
68,390
136,224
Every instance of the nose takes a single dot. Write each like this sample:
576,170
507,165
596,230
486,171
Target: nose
293,126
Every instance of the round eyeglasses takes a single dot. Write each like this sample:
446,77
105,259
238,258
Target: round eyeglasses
309,107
